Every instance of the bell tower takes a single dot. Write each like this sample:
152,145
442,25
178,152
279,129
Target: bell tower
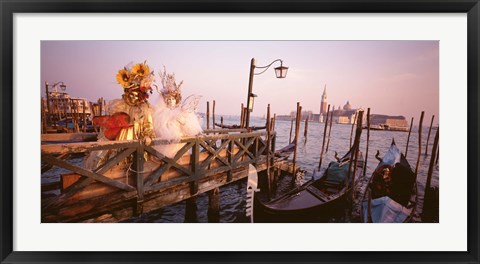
323,102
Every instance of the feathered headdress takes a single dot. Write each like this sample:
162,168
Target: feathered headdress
170,87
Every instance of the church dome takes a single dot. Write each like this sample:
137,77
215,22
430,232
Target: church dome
347,106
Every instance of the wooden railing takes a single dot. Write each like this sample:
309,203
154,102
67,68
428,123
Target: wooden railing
215,152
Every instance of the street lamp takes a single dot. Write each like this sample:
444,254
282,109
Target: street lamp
280,72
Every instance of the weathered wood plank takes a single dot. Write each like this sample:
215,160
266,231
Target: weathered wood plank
69,137
87,146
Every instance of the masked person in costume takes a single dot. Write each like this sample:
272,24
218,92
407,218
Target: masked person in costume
173,118
129,118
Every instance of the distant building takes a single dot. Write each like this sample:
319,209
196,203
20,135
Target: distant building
386,122
323,102
346,115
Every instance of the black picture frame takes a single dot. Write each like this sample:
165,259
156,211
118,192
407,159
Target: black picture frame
9,8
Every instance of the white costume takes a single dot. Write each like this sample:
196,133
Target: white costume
172,120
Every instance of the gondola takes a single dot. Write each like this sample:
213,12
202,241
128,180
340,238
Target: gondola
316,200
391,194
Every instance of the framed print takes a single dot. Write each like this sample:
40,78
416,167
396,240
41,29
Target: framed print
106,103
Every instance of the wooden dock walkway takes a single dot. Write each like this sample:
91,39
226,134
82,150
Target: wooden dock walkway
127,184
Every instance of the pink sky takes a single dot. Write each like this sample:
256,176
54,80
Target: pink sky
390,77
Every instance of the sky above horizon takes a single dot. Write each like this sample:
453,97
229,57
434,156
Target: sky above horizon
390,77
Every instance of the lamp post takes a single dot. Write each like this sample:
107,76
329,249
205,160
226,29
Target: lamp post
280,72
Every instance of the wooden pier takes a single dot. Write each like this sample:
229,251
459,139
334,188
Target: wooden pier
138,179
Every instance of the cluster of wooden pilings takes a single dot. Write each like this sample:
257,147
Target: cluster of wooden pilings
273,171
62,114
430,206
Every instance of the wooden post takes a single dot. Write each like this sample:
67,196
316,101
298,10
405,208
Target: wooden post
221,121
291,127
297,127
138,165
44,117
57,104
356,143
353,124
323,142
269,180
64,111
195,165
84,117
241,116
214,206
429,199
273,122
93,114
100,105
419,143
306,130
77,117
368,141
48,104
329,130
408,139
428,137
272,148
430,172
208,115
191,210
213,115
230,160
72,109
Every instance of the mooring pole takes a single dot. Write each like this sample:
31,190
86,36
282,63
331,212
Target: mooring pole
356,143
208,115
430,171
368,141
323,142
419,143
329,130
291,127
213,212
273,122
241,115
191,210
267,148
213,115
305,132
428,137
48,104
408,139
353,125
44,119
297,127
84,117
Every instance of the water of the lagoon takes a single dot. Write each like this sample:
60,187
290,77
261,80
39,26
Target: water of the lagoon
233,196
